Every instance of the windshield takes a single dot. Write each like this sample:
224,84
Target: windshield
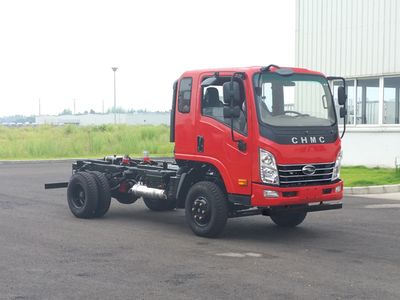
295,100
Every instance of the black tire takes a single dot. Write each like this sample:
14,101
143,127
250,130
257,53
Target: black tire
159,204
125,198
82,195
103,188
206,209
289,219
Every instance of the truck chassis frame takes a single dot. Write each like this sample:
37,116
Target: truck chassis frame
167,181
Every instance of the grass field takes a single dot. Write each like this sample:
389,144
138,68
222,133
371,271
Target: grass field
72,141
47,142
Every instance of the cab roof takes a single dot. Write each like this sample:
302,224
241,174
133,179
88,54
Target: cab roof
248,70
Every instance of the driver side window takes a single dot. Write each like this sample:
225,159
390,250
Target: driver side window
184,96
212,105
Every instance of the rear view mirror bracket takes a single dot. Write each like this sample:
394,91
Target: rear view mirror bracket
232,112
342,97
232,88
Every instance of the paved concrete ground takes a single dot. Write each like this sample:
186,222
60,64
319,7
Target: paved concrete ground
132,253
390,196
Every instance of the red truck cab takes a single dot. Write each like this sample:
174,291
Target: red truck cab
282,148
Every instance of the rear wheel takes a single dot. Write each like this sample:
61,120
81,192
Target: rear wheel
206,209
288,219
159,204
82,195
103,188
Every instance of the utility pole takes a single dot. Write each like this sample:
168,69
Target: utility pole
74,106
115,96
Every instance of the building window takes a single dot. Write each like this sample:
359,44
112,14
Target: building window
185,91
367,105
391,105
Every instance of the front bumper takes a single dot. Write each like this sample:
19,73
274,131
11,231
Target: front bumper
296,195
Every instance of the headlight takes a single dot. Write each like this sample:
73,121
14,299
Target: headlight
336,168
268,169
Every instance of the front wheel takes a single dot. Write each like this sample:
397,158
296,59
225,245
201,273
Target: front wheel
206,209
289,219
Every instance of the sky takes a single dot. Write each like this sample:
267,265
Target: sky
58,51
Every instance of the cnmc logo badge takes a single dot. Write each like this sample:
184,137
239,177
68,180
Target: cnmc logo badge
308,170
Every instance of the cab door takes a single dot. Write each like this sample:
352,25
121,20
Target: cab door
232,156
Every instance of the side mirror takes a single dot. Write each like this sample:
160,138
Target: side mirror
232,94
232,112
343,112
342,97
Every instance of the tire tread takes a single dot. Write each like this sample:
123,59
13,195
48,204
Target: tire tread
104,193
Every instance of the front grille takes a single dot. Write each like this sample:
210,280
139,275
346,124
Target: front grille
292,175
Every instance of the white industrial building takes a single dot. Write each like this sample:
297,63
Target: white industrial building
359,40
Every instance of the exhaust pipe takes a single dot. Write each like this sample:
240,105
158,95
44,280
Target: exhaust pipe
140,190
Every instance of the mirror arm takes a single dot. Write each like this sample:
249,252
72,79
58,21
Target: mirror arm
329,78
231,105
344,126
241,144
232,133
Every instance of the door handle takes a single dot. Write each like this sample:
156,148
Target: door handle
242,146
200,143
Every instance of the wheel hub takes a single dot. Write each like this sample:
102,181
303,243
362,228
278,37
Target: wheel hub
79,198
201,211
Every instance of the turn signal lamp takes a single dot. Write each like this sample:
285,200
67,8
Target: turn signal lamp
242,182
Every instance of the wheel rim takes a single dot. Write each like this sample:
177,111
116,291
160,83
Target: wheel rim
79,197
201,211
